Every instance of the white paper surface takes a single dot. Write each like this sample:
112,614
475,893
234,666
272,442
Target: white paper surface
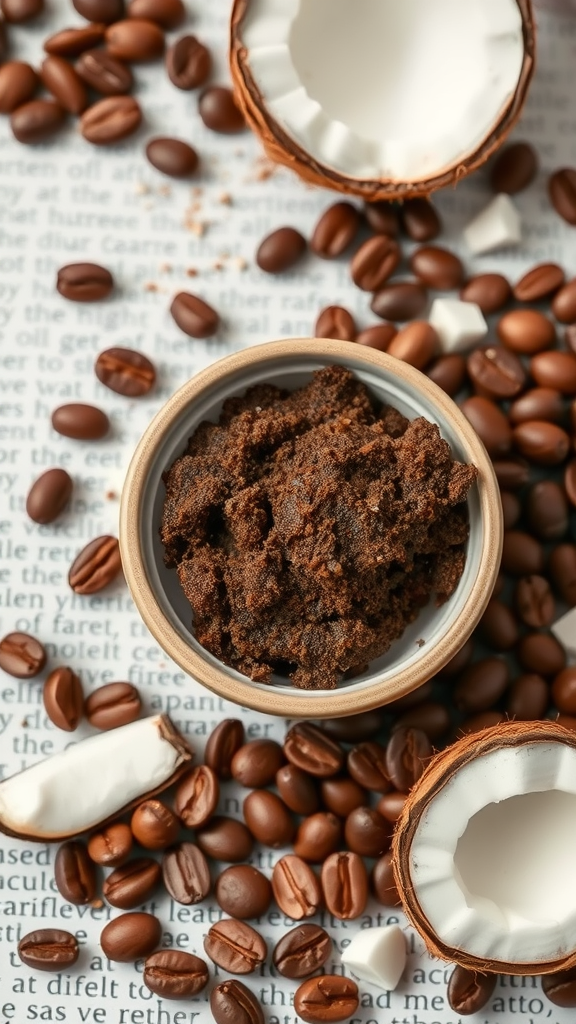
67,201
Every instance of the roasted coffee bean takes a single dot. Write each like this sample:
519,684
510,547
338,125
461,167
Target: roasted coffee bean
570,482
125,371
219,111
407,754
420,220
544,443
297,789
172,157
483,720
113,705
469,991
105,74
382,217
302,951
17,11
527,697
400,300
374,262
37,120
112,845
522,555
75,873
481,685
81,422
186,873
431,717
335,231
49,495
511,473
490,423
490,292
196,796
564,303
225,839
255,764
378,337
514,169
541,653
511,509
341,796
100,10
562,566
243,892
366,832
366,764
448,372
188,63
233,1001
555,370
410,700
175,974
296,888
560,988
280,250
495,372
564,690
194,316
355,728
48,949
416,344
459,661
537,404
335,322
391,805
498,626
130,936
546,510
71,42
383,882
268,819
235,946
345,885
18,83
111,120
135,39
438,268
60,78
222,744
166,13
63,699
562,193
154,825
21,655
526,331
310,748
84,282
318,836
330,997
539,283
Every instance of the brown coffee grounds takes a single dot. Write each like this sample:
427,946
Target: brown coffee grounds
308,528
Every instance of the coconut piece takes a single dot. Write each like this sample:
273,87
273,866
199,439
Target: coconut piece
459,325
497,226
484,853
93,781
564,629
380,99
377,955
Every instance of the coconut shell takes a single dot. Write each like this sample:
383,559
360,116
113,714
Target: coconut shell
284,150
438,772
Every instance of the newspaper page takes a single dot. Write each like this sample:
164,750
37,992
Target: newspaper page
66,201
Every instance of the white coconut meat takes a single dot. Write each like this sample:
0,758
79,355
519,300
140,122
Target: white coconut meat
382,89
493,859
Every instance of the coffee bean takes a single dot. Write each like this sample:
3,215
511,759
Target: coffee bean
534,601
495,372
448,372
527,697
63,699
539,283
113,705
511,473
59,78
172,157
37,120
166,13
555,370
431,717
328,998
499,626
484,720
382,217
438,268
268,819
104,73
562,566
522,555
132,884
196,796
335,322
355,728
560,988
71,42
49,495
18,83
564,690
459,661
481,685
407,754
100,10
175,974
225,839
378,337
17,11
235,946
280,250
194,316
490,424
125,371
341,796
84,282
302,951
154,825
541,653
469,991
374,262
562,193
490,292
297,790
255,764
546,510
537,404
81,422
223,742
188,63
75,873
383,883
135,39
219,111
233,1001
310,748
345,885
514,169
335,231
526,331
48,949
243,892
112,845
570,482
416,344
564,303
21,655
318,836
541,442
130,936
391,805
110,120
399,300
186,873
420,220
366,764
366,832
296,889
511,509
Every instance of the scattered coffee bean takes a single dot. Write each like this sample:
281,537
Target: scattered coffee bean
495,372
166,13
382,218
81,422
21,655
310,748
172,157
318,836
562,193
560,988
367,765
490,292
527,697
534,601
186,873
196,796
490,423
194,316
105,74
130,936
131,884
400,300
84,282
511,509
526,331
539,283
112,845
345,885
335,322
438,268
514,169
106,11
18,83
469,991
60,78
225,839
355,728
564,690
188,63
49,495
416,344
135,39
555,370
219,111
537,404
243,892
378,337
570,482
431,717
37,120
125,371
420,220
499,626
407,754
335,231
297,789
564,303
546,510
63,699
448,372
75,873
48,949
366,832
481,685
302,951
562,566
235,946
111,120
541,653
113,705
175,974
341,796
233,1001
255,764
17,11
522,555
330,997
280,250
374,262
543,443
383,882
71,42
154,825
222,744
296,888
268,819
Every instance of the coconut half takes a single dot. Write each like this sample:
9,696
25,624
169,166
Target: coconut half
380,98
484,853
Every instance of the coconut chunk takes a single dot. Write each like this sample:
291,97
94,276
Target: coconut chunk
497,226
564,629
377,955
459,325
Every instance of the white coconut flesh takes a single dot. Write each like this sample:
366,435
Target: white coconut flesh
385,89
493,859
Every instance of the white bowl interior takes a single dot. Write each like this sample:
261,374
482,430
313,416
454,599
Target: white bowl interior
432,623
